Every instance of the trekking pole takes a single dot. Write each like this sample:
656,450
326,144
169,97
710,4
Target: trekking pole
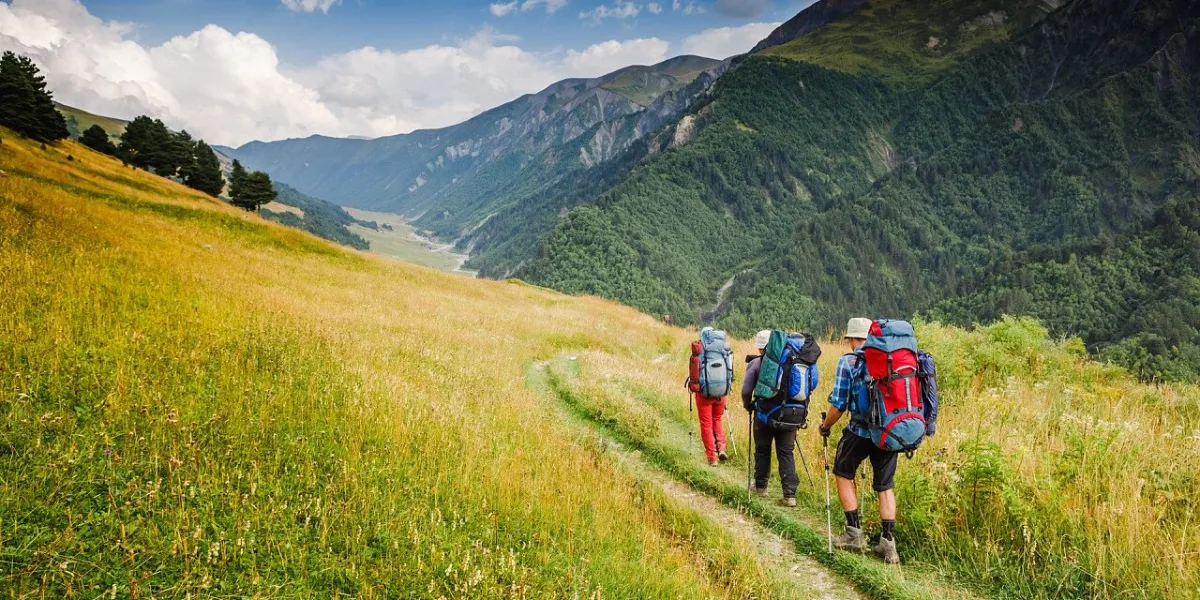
691,399
749,453
805,463
731,444
828,514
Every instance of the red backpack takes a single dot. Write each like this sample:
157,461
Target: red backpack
693,382
896,416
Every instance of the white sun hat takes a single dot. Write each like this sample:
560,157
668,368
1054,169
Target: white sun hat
858,328
762,338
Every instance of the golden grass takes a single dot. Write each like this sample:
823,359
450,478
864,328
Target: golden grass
200,403
1050,475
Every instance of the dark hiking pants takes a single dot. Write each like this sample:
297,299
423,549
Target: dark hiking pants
785,444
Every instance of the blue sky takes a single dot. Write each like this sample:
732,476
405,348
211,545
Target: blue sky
232,71
306,36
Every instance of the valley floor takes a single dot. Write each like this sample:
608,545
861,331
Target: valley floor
402,242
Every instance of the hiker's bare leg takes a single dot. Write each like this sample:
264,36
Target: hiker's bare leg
849,497
887,504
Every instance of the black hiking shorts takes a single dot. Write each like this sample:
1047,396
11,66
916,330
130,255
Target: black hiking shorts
853,449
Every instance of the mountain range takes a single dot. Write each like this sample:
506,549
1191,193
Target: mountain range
450,180
959,158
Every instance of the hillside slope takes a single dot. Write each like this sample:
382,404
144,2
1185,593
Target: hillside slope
79,120
863,168
197,403
454,178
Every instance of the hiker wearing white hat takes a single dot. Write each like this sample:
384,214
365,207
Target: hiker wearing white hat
856,446
761,339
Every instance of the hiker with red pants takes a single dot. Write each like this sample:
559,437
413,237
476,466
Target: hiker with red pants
887,385
710,378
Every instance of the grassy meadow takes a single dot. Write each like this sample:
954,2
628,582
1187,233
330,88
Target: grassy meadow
199,403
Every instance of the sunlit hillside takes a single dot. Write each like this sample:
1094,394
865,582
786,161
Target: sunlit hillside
198,403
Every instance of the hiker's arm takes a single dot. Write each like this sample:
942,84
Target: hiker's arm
748,385
839,398
831,419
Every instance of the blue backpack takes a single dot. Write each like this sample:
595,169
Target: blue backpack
715,376
787,376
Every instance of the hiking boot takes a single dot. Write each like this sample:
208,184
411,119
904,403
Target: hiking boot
760,492
886,549
852,540
713,463
722,456
789,502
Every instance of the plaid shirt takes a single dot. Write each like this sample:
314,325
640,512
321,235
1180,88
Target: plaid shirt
846,390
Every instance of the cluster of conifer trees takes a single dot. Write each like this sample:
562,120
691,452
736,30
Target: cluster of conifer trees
27,107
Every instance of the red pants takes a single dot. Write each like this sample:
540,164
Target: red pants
712,430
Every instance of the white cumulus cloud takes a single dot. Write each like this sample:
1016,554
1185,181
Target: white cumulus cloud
230,88
724,42
310,5
609,56
501,9
654,8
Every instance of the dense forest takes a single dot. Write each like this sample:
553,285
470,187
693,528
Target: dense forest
1048,171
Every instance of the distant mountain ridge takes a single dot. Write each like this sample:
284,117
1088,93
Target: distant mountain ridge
809,20
452,179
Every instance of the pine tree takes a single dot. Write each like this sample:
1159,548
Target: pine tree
237,177
256,190
182,160
206,175
148,144
96,138
16,96
26,106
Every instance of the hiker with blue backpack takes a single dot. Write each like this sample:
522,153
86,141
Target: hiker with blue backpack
710,379
887,385
775,392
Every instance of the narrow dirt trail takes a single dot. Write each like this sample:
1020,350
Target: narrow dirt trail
810,578
774,550
791,541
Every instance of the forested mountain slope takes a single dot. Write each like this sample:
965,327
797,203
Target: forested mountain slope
454,178
890,162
